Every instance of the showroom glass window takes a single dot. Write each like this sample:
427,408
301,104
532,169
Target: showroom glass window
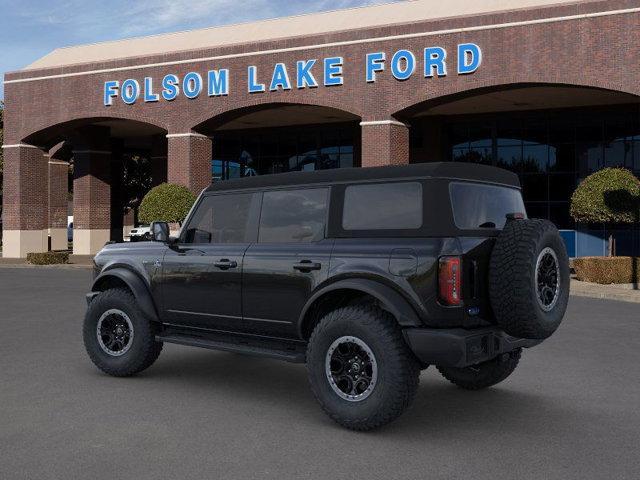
551,151
242,153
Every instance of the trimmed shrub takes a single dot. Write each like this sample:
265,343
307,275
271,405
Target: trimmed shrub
607,270
166,202
611,195
48,258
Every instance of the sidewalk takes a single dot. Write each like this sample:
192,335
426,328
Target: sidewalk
623,292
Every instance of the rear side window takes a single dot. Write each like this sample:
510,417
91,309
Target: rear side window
293,215
483,206
223,219
390,206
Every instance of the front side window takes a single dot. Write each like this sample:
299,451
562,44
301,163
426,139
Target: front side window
293,215
477,206
222,219
392,206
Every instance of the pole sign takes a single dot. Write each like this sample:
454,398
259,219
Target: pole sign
309,73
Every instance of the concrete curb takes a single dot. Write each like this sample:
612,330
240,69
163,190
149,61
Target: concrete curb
622,293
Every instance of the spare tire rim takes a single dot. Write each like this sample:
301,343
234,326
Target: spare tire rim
547,279
351,368
115,332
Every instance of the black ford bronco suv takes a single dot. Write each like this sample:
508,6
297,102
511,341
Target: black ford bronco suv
368,277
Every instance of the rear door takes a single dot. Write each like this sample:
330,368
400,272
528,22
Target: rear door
202,273
289,260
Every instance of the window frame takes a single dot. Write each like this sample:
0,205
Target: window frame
429,191
328,192
252,226
383,184
453,183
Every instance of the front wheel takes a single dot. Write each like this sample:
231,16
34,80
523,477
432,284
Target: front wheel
360,369
118,337
483,375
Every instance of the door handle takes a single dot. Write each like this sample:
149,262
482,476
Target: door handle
225,264
307,266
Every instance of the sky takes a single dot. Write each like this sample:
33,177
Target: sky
29,29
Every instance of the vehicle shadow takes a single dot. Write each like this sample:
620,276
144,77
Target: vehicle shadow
502,410
439,407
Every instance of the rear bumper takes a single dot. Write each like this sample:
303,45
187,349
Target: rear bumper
457,347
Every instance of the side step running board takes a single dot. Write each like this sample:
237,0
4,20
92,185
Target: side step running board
295,355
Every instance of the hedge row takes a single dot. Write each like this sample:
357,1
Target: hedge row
48,258
607,270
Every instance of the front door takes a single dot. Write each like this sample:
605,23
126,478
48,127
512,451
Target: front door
202,272
289,260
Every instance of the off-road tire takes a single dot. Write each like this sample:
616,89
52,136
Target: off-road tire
512,279
144,348
483,375
398,369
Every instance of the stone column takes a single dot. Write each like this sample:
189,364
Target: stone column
91,200
189,160
25,201
384,142
91,189
58,191
158,160
117,207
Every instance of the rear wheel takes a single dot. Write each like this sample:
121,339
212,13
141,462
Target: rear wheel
483,375
360,369
118,337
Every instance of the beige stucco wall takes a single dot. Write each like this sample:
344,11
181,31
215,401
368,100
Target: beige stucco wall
58,238
17,243
89,242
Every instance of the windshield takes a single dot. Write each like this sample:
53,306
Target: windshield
483,206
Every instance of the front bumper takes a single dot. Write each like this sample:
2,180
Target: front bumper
457,347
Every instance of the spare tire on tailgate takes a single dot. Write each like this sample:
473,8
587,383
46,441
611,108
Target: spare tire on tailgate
529,278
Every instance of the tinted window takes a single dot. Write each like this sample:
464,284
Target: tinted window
222,219
293,215
483,206
392,206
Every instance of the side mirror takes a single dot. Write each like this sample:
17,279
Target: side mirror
160,232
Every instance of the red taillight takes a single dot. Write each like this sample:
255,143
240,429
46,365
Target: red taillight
450,280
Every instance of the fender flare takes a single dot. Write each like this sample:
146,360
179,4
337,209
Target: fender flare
392,301
137,286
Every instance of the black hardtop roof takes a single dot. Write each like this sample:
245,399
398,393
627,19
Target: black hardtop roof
450,170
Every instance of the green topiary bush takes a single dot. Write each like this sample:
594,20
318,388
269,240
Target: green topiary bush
48,258
611,195
166,202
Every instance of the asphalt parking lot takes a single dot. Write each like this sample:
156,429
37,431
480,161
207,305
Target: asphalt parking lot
571,410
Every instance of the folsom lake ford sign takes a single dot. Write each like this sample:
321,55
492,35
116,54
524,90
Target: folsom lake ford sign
310,73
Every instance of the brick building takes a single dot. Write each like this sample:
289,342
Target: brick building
547,88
